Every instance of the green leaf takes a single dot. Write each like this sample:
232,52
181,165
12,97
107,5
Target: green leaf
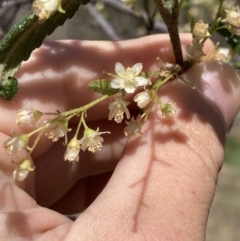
233,41
232,150
10,89
102,86
29,35
237,65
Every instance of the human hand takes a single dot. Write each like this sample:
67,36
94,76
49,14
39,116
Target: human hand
164,183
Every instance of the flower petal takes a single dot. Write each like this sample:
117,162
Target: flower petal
142,99
129,89
117,84
141,81
137,68
119,69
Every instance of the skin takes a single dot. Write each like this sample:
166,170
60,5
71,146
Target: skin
164,180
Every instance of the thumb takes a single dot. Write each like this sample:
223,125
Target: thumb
163,187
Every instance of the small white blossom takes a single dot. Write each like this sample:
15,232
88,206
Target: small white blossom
219,54
194,51
45,8
16,143
92,140
59,131
28,116
73,149
23,168
117,110
133,127
168,69
233,18
200,30
142,99
235,30
128,79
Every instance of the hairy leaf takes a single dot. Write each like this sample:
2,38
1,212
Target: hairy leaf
102,86
25,37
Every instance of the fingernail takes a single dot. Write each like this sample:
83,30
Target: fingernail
220,83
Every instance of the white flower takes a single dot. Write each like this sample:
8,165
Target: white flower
194,51
23,168
133,127
59,131
128,79
73,149
117,109
200,30
142,99
219,54
16,143
45,8
28,116
235,30
92,140
233,18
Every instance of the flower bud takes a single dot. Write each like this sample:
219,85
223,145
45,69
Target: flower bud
16,143
23,168
200,30
28,116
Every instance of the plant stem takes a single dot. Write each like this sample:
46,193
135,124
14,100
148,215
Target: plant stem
171,21
85,107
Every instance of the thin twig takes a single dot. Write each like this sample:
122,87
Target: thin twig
104,24
171,21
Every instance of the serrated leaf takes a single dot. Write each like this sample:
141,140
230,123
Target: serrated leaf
10,89
102,86
28,35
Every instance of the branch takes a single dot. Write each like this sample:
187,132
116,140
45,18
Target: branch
23,39
171,21
104,24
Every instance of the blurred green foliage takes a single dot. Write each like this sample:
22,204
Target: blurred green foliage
232,151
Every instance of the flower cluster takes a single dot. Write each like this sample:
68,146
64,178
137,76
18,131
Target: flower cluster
54,129
128,81
201,31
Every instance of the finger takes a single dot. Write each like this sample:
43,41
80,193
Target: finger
165,182
57,75
127,52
